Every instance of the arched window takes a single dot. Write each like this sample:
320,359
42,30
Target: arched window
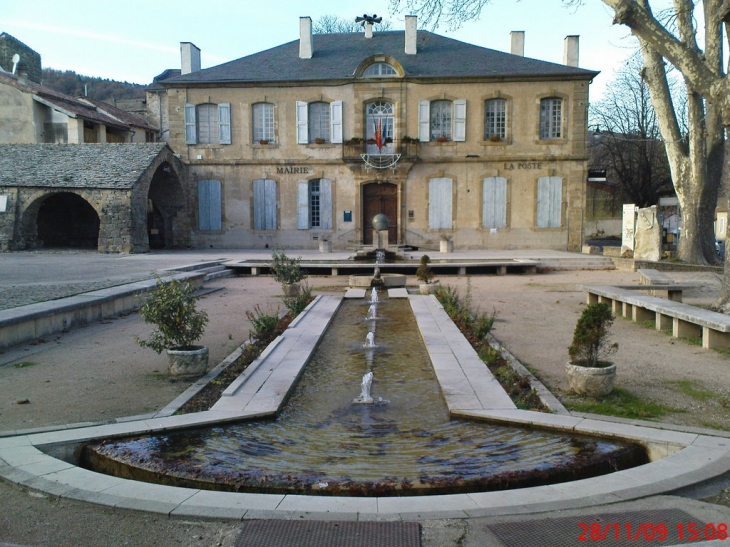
379,117
380,69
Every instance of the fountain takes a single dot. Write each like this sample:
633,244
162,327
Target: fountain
322,443
380,255
372,313
367,382
370,340
374,296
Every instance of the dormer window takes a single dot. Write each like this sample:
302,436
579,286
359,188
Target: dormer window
380,69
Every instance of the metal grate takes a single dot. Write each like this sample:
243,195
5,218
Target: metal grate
646,529
311,533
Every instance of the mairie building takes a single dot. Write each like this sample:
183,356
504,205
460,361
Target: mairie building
307,141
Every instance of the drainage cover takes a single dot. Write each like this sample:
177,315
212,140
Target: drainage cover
635,528
298,533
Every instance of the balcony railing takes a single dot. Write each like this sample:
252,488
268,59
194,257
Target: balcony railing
353,151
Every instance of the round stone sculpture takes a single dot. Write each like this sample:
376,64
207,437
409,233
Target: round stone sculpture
380,222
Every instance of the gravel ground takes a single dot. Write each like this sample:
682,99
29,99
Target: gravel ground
98,372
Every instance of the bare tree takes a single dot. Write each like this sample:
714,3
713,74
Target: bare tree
697,162
627,142
330,24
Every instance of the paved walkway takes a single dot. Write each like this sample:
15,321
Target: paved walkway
80,524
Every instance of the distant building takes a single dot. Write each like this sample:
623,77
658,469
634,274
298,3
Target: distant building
309,140
29,61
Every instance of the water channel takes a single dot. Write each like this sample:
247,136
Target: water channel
404,443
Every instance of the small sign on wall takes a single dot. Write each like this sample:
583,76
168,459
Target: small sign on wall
347,216
3,203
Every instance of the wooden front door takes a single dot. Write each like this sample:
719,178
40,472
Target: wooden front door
379,198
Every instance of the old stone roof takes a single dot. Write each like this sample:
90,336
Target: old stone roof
72,106
116,166
337,56
129,118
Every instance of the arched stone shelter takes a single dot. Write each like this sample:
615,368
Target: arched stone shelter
111,197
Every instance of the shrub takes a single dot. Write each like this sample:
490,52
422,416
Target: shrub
286,270
264,324
296,304
171,307
591,344
424,273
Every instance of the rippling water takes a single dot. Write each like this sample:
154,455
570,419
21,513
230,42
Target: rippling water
322,441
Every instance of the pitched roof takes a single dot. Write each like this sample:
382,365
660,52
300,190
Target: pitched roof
116,166
74,107
337,56
129,118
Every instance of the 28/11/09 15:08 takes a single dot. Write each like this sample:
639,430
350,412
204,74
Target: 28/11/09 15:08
648,531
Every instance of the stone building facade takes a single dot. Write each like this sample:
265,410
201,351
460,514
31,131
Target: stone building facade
114,198
308,140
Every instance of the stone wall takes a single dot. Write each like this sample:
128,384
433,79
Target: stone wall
30,61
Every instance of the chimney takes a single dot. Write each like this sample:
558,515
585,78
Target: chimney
518,42
368,30
411,35
189,58
570,51
23,77
305,38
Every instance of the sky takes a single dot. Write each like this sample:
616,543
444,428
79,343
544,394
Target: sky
134,40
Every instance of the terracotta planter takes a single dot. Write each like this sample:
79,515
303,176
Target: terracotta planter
325,246
188,362
447,246
593,381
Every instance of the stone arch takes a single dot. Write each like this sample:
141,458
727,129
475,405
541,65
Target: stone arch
161,206
62,219
379,197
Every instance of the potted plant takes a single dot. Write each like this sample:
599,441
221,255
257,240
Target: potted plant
407,139
447,245
319,141
495,138
589,372
442,139
263,141
287,271
424,274
171,307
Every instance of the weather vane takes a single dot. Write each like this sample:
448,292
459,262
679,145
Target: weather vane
372,19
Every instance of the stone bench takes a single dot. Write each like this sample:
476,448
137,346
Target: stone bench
649,276
685,321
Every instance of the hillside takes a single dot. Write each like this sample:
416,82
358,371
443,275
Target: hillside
71,83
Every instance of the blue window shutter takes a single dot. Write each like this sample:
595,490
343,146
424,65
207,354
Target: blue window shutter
264,204
440,203
549,202
191,136
224,123
209,205
302,123
424,121
303,205
336,122
494,202
325,207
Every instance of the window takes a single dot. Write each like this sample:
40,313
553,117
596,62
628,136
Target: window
549,202
494,202
380,69
442,120
319,122
314,204
439,203
551,118
379,116
263,122
208,123
209,205
55,132
264,204
304,123
495,119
